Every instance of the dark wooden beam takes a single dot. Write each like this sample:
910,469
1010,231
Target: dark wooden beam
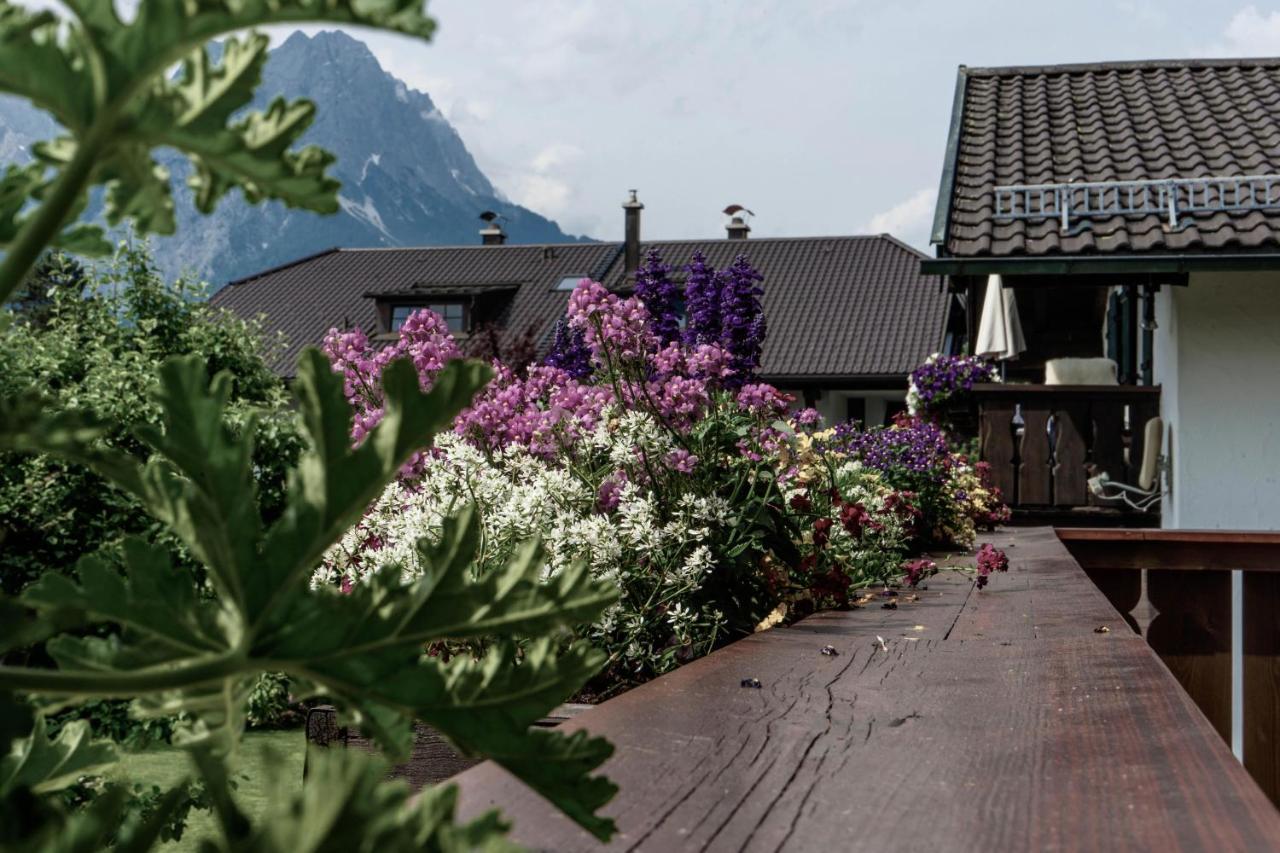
1180,550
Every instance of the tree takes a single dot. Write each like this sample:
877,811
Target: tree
56,272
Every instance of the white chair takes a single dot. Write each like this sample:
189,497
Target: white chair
1146,494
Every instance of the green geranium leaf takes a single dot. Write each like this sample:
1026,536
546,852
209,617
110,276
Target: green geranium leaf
348,804
178,653
43,764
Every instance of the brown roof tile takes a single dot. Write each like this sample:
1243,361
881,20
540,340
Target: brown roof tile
1111,122
836,306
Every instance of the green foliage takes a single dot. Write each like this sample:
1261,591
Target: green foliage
98,348
56,272
178,651
43,765
269,703
347,805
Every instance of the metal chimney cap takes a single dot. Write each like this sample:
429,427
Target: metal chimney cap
633,202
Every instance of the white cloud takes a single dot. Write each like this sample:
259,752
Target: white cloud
908,220
1249,33
546,182
555,156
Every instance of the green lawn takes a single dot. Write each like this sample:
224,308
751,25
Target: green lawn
269,764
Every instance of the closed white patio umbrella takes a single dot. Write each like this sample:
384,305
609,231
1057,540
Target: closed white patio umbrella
1000,330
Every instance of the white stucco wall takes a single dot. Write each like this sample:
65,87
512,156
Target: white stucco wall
834,405
1217,359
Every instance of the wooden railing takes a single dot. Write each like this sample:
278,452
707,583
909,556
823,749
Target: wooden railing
1174,588
1023,716
1043,441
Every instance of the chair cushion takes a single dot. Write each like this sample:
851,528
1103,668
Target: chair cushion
1080,371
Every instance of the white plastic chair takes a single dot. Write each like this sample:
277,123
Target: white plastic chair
1146,494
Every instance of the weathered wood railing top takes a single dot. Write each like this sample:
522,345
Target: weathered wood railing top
999,719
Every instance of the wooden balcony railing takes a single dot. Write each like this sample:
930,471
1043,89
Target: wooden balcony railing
1186,618
1043,441
1024,716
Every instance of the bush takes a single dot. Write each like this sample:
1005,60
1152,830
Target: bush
94,344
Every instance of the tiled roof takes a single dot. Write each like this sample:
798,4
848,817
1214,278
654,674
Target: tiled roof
836,306
1110,122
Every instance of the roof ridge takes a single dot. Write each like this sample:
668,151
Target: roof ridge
1119,65
284,266
902,244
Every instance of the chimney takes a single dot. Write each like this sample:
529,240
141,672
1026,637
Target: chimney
631,234
492,234
737,228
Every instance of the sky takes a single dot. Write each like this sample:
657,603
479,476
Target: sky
821,116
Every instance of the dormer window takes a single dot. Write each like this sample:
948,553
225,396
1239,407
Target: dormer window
455,314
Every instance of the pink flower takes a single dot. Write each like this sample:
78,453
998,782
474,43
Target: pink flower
610,491
424,339
808,417
612,326
763,400
681,460
990,559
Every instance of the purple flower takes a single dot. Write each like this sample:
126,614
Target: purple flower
569,351
701,303
933,382
659,295
742,323
913,447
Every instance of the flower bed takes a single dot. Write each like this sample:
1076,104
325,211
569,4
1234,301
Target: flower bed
651,453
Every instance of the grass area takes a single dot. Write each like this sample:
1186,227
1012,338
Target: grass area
268,765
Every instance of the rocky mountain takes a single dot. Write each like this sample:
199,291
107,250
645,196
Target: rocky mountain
407,178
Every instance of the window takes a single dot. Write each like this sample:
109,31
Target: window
681,319
569,282
454,314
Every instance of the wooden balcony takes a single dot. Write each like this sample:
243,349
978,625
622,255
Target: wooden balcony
1026,716
1173,587
1043,442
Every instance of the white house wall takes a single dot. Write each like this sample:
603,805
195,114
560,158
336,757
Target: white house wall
1218,362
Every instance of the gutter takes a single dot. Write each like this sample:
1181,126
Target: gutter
1101,264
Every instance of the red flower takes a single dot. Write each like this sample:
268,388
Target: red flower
822,531
854,517
800,502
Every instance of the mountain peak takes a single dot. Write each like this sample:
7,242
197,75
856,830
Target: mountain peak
407,177
331,42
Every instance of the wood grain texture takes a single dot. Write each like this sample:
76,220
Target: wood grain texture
996,441
1262,680
1071,453
1191,633
1035,472
988,720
